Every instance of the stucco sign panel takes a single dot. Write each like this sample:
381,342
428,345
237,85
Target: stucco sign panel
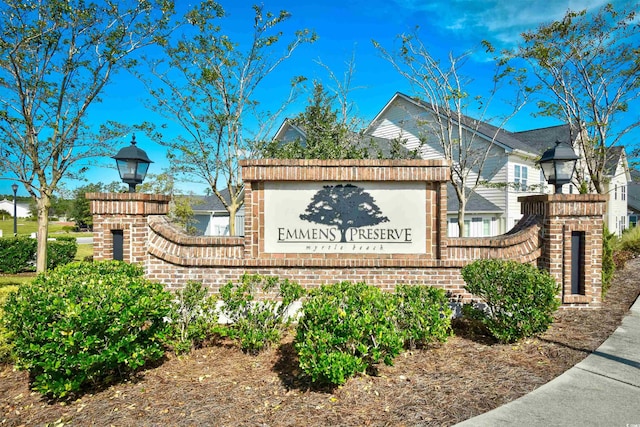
343,217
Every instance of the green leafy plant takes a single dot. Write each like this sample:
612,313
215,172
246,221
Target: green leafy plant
608,265
5,335
346,329
84,323
256,324
17,254
61,251
423,314
192,319
520,298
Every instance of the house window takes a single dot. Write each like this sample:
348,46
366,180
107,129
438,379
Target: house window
615,192
486,227
623,192
520,177
467,227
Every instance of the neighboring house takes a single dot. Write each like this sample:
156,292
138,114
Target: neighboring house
616,187
510,168
376,147
633,199
22,210
289,132
212,218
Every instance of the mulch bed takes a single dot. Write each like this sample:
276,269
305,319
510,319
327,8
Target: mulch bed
441,385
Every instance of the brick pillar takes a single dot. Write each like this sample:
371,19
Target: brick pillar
126,213
564,218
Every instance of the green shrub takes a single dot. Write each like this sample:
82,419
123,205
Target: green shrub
608,265
17,254
84,323
520,299
192,319
257,324
628,241
61,251
346,329
5,336
423,314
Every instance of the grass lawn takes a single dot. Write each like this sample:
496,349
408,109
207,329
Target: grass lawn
26,227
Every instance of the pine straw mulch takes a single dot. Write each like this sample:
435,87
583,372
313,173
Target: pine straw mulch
442,385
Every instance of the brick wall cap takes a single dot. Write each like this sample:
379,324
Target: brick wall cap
347,162
564,198
129,196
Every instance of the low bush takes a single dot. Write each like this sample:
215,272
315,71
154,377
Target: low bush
61,251
608,264
17,254
192,319
5,336
253,324
629,241
84,323
520,299
423,314
346,328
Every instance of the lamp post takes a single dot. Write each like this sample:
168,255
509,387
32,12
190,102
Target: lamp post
14,187
132,165
558,164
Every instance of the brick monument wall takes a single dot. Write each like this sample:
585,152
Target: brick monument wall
169,256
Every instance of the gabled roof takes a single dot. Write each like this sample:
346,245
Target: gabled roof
211,203
475,204
501,137
615,155
374,145
543,139
287,124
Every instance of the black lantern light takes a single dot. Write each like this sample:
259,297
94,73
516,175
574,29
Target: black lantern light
558,164
132,165
14,187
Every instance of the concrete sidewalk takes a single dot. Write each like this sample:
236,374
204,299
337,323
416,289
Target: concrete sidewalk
602,390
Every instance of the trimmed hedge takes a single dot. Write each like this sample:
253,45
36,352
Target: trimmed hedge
17,254
346,328
5,336
520,298
83,323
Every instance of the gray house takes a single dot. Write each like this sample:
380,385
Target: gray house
212,218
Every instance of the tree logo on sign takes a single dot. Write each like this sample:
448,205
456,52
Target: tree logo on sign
343,206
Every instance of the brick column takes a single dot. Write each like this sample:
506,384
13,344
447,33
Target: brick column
126,212
564,218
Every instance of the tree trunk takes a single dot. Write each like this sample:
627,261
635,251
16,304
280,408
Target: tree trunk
233,209
462,207
44,203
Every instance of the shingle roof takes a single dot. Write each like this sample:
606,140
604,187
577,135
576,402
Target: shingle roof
490,132
211,203
614,155
475,204
543,139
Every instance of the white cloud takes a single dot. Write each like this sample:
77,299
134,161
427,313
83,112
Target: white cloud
501,21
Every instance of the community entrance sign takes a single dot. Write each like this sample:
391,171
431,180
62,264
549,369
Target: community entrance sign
344,217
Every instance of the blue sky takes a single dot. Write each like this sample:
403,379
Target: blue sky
346,28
